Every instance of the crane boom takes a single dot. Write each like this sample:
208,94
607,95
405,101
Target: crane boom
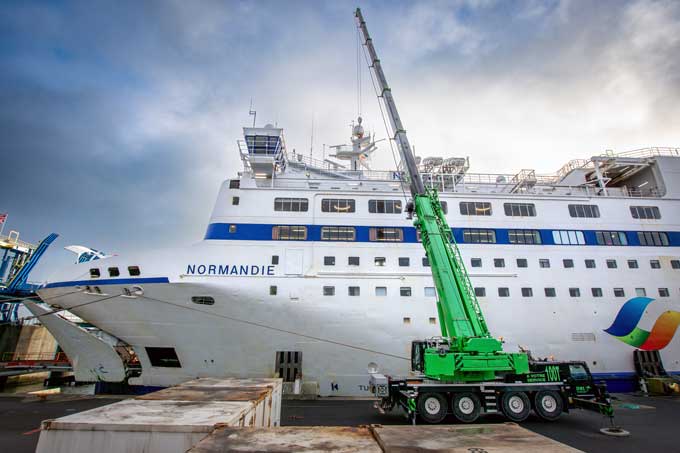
472,353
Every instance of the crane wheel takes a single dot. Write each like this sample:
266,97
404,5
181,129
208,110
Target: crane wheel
432,407
548,405
466,407
516,406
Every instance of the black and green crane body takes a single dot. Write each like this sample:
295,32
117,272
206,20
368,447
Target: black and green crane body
466,368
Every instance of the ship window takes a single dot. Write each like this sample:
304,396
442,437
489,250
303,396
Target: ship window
329,261
522,262
433,320
379,261
430,291
478,236
338,233
404,261
663,292
445,207
383,234
275,259
353,290
235,201
590,264
520,209
289,365
114,272
656,238
163,357
291,204
568,263
407,320
527,292
675,264
597,292
645,212
405,291
611,238
544,263
426,262
640,292
503,292
655,264
550,292
234,184
611,264
232,228
353,261
339,205
329,290
480,291
476,262
475,208
632,264
134,271
619,292
381,291
574,292
289,233
584,210
94,273
384,206
499,262
203,300
273,290
567,237
524,236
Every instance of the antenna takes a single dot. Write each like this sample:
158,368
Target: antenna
311,142
252,112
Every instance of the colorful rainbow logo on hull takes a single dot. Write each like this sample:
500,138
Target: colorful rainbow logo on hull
625,327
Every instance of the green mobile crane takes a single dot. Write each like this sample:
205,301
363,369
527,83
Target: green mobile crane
466,365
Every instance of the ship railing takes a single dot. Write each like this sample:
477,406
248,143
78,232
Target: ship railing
12,239
656,151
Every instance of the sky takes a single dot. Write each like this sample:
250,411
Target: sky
119,119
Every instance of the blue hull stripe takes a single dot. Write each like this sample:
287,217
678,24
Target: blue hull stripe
263,232
108,281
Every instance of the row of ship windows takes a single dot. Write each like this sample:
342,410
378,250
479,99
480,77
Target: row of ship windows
567,263
470,235
133,271
467,208
429,291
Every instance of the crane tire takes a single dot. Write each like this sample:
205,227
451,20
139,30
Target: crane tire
432,407
516,406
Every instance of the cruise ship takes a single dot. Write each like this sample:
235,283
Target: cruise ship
311,270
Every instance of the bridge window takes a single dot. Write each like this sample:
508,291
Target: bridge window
94,273
584,210
568,263
338,205
597,292
405,291
574,292
656,238
663,292
520,209
503,292
289,233
291,204
567,237
524,237
632,264
476,262
480,291
522,262
404,261
475,208
114,272
550,292
499,262
655,264
611,264
353,290
384,206
163,357
203,300
611,238
527,292
338,233
384,234
645,212
353,261
329,290
329,261
134,271
479,236
590,264
619,292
